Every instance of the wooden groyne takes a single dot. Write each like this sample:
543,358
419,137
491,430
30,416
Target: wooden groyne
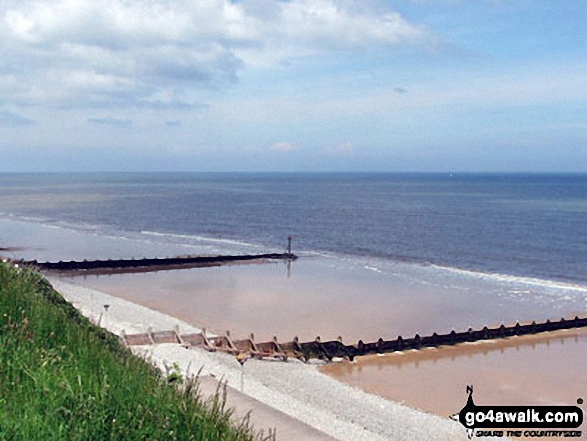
150,264
328,350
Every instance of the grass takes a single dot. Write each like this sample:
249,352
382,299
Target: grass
63,378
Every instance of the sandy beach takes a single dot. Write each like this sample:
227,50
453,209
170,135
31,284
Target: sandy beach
318,296
294,388
512,371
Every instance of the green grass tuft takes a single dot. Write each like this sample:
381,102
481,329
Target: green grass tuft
63,378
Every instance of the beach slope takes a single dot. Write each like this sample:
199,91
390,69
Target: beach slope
293,388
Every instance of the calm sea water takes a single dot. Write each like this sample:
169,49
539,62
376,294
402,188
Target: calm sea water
519,225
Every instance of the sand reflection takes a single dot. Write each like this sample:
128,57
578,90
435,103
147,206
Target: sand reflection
321,297
547,368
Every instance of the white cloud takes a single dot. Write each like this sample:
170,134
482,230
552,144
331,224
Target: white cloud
283,147
340,25
339,149
112,122
157,53
11,119
301,28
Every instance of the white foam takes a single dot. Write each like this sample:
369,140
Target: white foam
23,219
372,268
51,224
201,238
515,279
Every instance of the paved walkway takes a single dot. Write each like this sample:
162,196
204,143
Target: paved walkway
264,417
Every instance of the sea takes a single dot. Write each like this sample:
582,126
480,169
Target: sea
510,225
380,255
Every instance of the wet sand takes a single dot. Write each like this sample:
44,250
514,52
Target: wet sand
321,300
547,368
322,297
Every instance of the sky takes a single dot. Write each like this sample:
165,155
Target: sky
298,85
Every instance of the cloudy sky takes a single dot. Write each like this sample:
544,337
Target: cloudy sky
219,85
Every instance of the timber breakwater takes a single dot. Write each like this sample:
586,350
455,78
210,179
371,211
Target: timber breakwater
150,264
328,350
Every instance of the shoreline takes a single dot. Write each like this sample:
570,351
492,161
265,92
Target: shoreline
568,284
294,388
210,296
541,369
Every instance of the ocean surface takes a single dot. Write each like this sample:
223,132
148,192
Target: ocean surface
532,226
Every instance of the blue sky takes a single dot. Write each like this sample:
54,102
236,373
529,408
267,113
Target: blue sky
299,85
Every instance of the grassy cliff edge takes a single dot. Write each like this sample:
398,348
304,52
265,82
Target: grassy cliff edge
61,377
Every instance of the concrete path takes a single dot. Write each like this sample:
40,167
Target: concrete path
264,417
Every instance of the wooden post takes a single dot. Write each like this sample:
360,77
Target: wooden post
150,334
178,337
